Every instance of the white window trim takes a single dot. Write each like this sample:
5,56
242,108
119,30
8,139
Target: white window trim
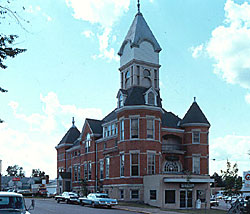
151,153
155,97
150,118
193,157
122,153
131,194
134,152
199,131
137,127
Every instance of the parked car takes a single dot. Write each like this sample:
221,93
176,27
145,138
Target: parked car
25,192
13,203
97,199
68,197
214,202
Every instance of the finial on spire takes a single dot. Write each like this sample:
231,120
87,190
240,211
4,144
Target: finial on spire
194,99
138,5
73,121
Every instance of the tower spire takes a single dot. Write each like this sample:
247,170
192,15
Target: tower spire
138,6
73,121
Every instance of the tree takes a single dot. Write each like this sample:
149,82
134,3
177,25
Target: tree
233,182
7,42
37,173
16,171
218,181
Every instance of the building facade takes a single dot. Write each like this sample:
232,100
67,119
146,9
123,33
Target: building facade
139,151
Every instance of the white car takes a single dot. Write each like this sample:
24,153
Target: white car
14,203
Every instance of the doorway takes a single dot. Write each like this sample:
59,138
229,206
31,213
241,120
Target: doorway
186,199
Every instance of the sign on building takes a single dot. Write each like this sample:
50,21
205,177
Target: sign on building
246,177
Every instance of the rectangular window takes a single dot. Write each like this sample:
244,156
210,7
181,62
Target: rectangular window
89,170
196,165
85,171
201,194
150,128
135,128
105,131
87,146
107,160
151,163
75,173
121,194
132,75
113,129
169,196
122,130
196,137
134,194
101,169
121,165
79,173
152,194
109,130
134,164
138,75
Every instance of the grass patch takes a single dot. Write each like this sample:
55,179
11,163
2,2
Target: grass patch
201,211
131,204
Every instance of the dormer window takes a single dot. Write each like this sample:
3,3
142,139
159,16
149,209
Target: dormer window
120,100
151,98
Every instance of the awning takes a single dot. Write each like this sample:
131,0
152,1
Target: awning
191,180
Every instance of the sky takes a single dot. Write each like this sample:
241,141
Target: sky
70,69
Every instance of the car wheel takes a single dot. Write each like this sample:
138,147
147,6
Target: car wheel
67,201
93,204
82,203
58,201
109,206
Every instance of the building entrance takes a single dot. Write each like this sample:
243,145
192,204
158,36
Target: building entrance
186,198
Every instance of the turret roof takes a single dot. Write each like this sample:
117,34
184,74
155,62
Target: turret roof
194,115
72,134
138,32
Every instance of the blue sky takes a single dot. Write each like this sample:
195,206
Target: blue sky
71,66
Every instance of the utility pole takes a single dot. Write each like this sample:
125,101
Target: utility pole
0,175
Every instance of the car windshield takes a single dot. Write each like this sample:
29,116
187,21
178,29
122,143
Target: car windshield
11,202
102,196
72,194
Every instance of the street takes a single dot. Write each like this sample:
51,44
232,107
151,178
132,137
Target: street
49,206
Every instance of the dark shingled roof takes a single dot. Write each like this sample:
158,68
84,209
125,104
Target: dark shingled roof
72,134
111,116
95,125
135,96
170,120
76,143
194,115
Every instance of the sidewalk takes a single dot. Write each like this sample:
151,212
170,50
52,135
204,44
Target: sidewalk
144,210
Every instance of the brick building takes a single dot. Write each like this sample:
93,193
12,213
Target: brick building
140,151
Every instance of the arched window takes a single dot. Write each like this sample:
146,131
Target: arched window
146,73
146,82
172,167
120,100
87,143
151,98
127,79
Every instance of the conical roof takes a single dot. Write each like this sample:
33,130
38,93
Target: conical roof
194,115
70,137
138,32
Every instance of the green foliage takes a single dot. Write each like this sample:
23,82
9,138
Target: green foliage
218,181
37,173
232,182
16,171
84,187
7,42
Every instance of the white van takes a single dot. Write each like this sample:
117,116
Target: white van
11,202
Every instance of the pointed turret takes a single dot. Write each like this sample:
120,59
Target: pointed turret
194,116
139,56
138,32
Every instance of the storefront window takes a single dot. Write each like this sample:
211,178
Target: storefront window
201,194
169,196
